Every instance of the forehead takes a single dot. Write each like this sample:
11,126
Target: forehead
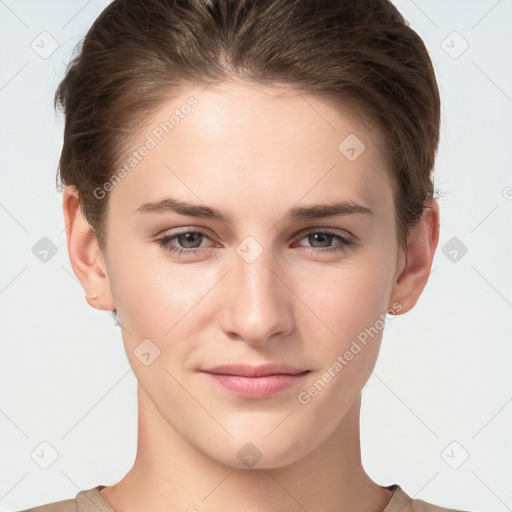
278,144
228,107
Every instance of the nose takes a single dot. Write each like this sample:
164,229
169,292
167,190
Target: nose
255,302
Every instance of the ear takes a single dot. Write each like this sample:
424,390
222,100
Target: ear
85,255
414,267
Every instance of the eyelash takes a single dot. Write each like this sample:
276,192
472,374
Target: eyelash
166,239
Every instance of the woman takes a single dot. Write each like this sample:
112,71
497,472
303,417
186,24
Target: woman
247,186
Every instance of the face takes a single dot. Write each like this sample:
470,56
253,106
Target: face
270,279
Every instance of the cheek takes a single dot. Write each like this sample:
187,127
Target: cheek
156,300
351,305
349,302
168,304
344,299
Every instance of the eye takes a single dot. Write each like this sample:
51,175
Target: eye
326,238
189,242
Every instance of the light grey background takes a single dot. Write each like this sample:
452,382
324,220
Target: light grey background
441,389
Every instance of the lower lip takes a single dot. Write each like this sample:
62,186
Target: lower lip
257,387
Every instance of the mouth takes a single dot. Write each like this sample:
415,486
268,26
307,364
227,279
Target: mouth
256,382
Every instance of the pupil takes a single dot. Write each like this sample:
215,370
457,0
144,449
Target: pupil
325,237
189,238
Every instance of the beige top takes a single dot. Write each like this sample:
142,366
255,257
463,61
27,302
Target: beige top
92,501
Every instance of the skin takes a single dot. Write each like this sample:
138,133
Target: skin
255,153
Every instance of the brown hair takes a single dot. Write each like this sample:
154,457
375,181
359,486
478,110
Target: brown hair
360,53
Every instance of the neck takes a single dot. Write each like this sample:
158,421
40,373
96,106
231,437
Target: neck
171,474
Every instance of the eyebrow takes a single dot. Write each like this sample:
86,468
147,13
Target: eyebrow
318,211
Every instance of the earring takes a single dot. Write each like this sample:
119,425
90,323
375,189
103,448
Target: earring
115,317
94,296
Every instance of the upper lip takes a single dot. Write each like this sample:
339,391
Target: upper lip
245,370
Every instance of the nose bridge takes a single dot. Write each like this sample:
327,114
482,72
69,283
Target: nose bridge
257,306
254,268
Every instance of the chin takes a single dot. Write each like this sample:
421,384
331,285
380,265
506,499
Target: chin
261,450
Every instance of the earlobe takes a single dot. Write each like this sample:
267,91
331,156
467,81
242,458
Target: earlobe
84,253
415,269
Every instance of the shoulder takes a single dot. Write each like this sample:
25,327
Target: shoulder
57,506
89,500
402,502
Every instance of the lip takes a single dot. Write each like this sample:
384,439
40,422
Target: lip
256,382
245,370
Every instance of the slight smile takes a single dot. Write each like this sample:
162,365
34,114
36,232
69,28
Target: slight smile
257,382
